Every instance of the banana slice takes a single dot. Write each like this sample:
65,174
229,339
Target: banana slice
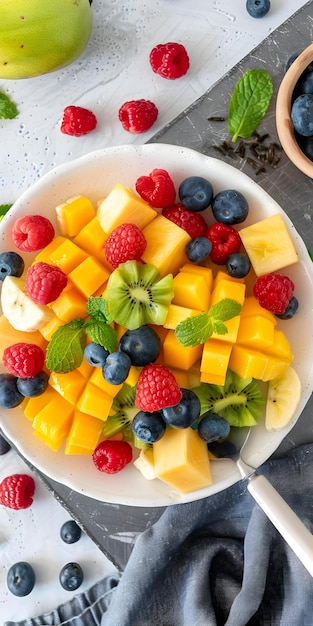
21,312
284,393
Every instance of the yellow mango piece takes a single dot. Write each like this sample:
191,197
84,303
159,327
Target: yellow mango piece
205,272
53,444
280,346
85,369
256,332
181,460
232,331
177,314
252,308
89,275
69,305
123,206
133,376
67,256
44,254
274,368
231,289
166,245
84,432
191,289
221,275
69,386
74,214
215,361
34,405
9,336
176,355
98,379
181,376
248,363
53,421
92,239
94,401
76,450
51,327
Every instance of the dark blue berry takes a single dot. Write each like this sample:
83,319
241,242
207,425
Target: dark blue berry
223,449
11,264
305,83
116,368
34,386
21,579
148,427
4,445
230,207
291,59
9,393
142,345
70,532
258,8
302,114
185,413
95,354
198,249
213,427
195,193
306,145
238,265
290,310
71,576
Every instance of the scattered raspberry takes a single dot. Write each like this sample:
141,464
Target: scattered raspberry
78,121
32,232
125,243
158,188
225,241
169,60
157,388
16,491
44,282
112,456
193,223
23,359
274,292
137,116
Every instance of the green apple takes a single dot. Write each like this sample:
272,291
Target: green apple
39,36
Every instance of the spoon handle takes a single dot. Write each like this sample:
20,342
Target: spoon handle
292,529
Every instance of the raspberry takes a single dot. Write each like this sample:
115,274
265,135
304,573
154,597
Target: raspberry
225,241
44,282
274,292
169,60
16,491
193,223
78,121
125,243
157,388
157,188
23,359
137,116
112,456
32,232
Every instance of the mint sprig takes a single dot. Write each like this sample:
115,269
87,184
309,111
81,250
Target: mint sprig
8,110
197,330
249,103
4,209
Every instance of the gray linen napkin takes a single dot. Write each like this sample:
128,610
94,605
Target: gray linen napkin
214,562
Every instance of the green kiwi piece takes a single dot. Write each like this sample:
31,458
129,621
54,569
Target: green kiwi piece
239,401
124,412
137,295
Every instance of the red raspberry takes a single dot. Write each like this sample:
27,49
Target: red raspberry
158,188
225,241
193,223
16,491
112,456
157,388
78,121
169,60
23,359
274,292
125,243
44,282
137,116
32,232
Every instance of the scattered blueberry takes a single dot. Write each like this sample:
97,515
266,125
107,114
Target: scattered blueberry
142,345
302,114
198,249
9,393
116,368
70,532
95,354
4,445
238,265
223,449
34,386
213,427
21,579
185,413
230,207
258,8
291,309
11,264
71,576
148,427
195,193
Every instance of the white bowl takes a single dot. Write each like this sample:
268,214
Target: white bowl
94,176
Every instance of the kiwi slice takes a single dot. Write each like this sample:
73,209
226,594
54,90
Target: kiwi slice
122,413
239,401
137,295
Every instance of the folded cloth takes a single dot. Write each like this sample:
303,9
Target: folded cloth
214,562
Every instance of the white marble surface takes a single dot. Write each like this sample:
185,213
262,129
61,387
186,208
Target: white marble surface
114,68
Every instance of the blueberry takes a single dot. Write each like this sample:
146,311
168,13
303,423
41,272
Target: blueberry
70,532
95,354
258,8
291,59
306,145
195,193
21,579
305,83
9,393
238,265
198,249
142,345
213,427
302,114
71,576
33,386
230,207
116,368
290,310
11,264
185,413
223,449
148,427
4,445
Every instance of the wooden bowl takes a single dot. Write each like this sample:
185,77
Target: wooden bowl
284,123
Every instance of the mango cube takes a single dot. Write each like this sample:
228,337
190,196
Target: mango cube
89,275
256,332
92,239
74,214
205,272
94,401
44,254
51,327
190,288
177,314
166,245
122,206
69,385
98,379
248,363
69,305
84,432
67,256
215,361
176,355
53,421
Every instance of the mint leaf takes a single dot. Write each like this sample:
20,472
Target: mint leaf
97,308
219,328
65,351
8,110
225,309
4,209
196,330
249,102
100,332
